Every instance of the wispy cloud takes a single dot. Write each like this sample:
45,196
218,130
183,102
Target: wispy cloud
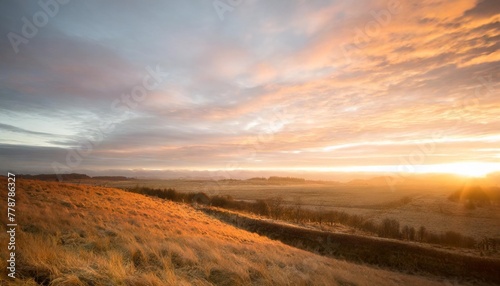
285,84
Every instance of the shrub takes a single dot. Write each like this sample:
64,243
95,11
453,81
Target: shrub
370,226
221,201
261,207
389,228
276,207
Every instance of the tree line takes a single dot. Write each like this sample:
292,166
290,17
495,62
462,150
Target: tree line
276,208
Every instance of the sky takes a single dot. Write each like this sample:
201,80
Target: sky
327,86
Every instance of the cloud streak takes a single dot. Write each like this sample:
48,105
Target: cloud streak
301,85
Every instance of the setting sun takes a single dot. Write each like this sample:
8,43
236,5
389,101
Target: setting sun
468,169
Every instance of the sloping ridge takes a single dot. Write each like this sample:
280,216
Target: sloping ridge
397,255
87,235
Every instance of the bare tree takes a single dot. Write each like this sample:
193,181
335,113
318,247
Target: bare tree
276,207
297,210
422,233
320,213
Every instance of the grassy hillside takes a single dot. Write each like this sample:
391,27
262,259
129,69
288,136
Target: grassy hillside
394,254
415,203
83,235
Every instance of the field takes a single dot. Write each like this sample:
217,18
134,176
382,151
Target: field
413,204
89,235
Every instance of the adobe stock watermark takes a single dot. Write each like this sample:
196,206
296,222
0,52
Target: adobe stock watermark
248,150
467,105
223,6
372,29
123,104
48,9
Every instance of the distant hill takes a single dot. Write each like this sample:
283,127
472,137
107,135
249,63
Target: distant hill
376,181
112,178
55,177
71,177
277,179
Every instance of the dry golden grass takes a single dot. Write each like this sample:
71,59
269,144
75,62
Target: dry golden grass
372,201
84,235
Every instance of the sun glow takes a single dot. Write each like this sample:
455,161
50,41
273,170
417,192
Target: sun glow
468,169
